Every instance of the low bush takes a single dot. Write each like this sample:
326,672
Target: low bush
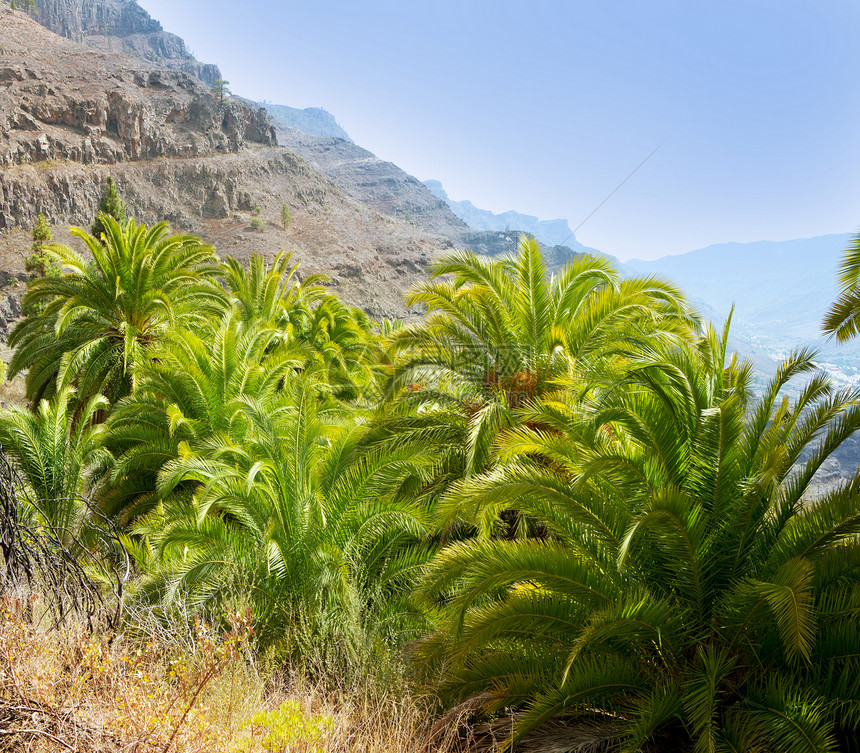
70,690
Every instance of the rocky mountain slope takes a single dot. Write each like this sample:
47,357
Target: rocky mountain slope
72,115
61,101
121,26
312,120
389,189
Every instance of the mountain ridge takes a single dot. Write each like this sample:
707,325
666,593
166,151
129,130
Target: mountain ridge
549,232
312,120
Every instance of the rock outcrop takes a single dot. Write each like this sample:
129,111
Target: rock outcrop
70,116
121,26
61,101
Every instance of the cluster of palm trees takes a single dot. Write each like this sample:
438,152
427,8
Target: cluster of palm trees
558,490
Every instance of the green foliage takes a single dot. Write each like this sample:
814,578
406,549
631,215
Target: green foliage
286,217
273,507
59,459
220,90
288,726
683,592
41,233
100,317
39,264
111,205
843,318
187,392
256,224
556,488
501,333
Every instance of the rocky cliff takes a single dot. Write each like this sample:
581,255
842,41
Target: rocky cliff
121,26
63,102
70,116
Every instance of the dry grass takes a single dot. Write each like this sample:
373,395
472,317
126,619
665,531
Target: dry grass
67,690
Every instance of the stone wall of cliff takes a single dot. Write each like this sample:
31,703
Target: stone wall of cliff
122,26
61,101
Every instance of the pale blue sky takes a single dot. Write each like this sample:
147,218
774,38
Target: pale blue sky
545,109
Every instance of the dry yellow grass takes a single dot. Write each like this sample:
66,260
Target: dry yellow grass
67,690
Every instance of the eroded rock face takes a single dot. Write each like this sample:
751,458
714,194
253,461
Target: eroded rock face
61,101
70,116
72,17
121,26
370,259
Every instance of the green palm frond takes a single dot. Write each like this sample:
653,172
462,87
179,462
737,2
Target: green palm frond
101,316
674,540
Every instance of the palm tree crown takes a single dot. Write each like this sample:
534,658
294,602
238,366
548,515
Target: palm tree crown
59,459
501,333
843,318
683,593
103,313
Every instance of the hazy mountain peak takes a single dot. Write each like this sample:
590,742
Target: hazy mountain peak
548,232
312,120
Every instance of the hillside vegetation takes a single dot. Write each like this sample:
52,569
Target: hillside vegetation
551,514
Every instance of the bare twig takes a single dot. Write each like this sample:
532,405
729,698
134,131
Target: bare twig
47,562
39,732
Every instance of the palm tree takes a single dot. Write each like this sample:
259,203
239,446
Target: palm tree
102,315
305,312
503,333
686,594
281,513
272,293
189,389
843,318
58,459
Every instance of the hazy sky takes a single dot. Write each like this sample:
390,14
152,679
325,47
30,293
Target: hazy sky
545,109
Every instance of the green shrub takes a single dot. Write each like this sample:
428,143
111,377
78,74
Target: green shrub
289,726
111,204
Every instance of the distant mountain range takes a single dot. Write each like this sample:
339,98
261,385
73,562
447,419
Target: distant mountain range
548,232
780,291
